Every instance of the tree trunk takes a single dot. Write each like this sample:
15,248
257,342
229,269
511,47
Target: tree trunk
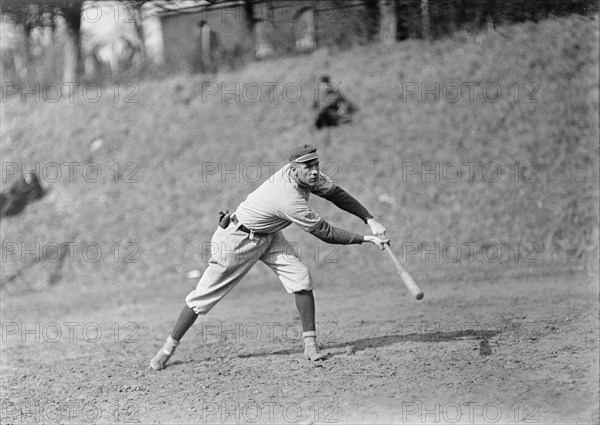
372,16
72,13
491,16
135,12
249,14
425,17
387,21
316,18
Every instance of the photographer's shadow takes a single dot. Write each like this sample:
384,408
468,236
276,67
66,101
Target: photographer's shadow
333,349
384,341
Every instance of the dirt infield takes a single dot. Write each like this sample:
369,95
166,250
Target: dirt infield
392,359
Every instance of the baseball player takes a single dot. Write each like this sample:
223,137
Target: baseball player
334,107
254,232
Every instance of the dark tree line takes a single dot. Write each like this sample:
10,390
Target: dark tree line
436,18
379,20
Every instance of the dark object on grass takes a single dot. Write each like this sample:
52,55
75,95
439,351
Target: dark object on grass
334,107
22,192
485,349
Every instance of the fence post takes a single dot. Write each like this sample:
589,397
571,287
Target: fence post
316,23
387,24
425,18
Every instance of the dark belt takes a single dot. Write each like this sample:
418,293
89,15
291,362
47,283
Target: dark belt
246,230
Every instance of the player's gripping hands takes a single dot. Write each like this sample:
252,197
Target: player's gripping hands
378,238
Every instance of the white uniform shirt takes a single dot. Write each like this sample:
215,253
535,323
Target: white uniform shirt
280,201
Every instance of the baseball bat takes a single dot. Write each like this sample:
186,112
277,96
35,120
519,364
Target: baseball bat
404,274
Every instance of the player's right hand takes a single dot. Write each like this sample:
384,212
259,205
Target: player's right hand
376,227
377,240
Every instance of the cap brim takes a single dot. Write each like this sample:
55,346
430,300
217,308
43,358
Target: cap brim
307,157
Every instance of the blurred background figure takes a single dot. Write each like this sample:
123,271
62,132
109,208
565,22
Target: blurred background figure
13,49
110,59
334,107
112,42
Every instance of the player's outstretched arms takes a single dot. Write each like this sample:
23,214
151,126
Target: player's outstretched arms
344,201
334,235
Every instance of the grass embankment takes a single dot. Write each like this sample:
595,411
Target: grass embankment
547,127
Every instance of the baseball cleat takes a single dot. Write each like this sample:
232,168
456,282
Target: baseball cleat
313,353
160,360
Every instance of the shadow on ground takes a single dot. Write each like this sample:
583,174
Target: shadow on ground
386,340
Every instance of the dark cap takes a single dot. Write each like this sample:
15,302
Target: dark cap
304,153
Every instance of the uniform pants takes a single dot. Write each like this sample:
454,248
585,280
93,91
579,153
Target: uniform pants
233,253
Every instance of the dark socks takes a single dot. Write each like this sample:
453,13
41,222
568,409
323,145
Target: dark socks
186,319
305,303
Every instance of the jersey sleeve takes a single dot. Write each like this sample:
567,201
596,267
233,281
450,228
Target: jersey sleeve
323,187
343,200
334,235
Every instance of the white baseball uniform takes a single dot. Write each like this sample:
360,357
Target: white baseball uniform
277,203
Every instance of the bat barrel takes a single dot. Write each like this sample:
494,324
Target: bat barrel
408,280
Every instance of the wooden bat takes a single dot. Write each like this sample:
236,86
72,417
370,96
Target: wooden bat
404,274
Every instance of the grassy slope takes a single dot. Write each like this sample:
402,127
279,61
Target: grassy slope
171,132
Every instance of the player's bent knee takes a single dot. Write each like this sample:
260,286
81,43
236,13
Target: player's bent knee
198,304
301,286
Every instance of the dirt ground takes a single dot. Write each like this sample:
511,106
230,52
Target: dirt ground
70,356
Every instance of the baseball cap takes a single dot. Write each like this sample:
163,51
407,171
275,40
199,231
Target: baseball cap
304,153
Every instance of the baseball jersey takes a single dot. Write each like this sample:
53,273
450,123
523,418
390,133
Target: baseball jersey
281,201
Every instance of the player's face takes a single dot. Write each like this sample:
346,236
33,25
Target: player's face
308,172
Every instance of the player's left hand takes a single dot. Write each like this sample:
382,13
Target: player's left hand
377,240
376,227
